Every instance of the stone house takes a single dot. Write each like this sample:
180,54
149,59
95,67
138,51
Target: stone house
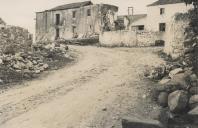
158,17
156,27
75,20
161,18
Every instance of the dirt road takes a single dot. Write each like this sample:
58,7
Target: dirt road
94,92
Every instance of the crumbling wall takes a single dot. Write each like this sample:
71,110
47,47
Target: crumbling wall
2,22
109,16
175,37
14,38
128,38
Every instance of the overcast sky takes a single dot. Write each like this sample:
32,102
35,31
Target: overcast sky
22,12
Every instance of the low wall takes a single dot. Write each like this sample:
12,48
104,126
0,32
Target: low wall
128,38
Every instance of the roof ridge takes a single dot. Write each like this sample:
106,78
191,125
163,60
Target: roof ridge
72,5
164,2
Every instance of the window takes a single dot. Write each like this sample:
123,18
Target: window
74,14
57,19
89,12
141,27
73,29
162,11
162,27
159,43
57,33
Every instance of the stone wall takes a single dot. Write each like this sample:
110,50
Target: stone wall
16,38
129,38
102,17
175,37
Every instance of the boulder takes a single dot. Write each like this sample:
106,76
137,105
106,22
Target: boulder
193,90
180,81
140,123
37,71
1,82
175,71
193,114
193,80
193,102
178,101
163,99
45,66
164,81
1,61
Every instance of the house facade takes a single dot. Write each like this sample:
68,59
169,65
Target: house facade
162,12
76,20
159,16
157,27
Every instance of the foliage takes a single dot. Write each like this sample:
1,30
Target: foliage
192,35
194,2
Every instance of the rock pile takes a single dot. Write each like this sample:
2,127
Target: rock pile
21,59
177,90
29,64
14,39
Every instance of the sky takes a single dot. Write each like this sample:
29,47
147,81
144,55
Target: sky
22,12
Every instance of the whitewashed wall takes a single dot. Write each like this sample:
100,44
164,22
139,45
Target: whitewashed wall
128,38
154,17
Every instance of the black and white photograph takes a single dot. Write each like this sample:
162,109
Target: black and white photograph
98,63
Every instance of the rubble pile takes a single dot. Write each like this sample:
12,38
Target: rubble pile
177,92
14,39
20,59
27,65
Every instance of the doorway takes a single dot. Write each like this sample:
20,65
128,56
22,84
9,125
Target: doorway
57,33
57,19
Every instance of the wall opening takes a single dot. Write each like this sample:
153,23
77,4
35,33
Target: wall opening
74,31
88,12
162,11
57,33
74,14
159,43
162,27
57,19
139,28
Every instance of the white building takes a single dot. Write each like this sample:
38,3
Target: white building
161,13
157,27
158,18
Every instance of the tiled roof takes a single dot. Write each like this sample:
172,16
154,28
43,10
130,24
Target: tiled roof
164,2
72,5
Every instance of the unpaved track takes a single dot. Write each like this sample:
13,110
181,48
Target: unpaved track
92,93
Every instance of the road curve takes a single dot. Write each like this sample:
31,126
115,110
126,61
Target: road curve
87,94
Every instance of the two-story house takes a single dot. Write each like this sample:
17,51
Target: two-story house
158,18
75,20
